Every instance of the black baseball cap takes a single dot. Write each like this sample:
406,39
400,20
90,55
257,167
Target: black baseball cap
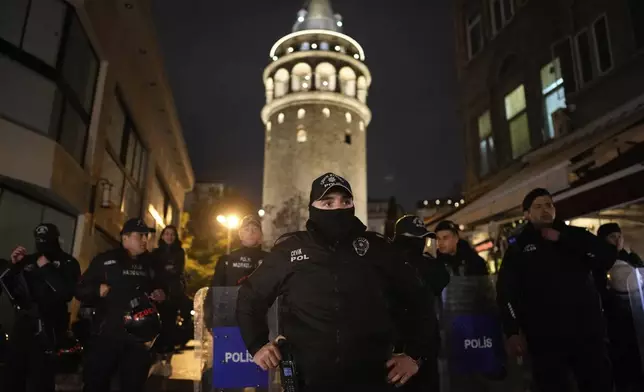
323,184
532,195
136,225
447,225
46,231
411,226
607,229
250,220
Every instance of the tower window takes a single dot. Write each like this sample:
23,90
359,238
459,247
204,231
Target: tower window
326,112
361,125
301,136
347,136
269,125
280,118
301,113
347,115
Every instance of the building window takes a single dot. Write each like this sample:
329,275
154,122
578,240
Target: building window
474,36
301,136
487,156
361,125
554,94
48,72
517,116
325,77
602,45
301,113
281,79
562,50
301,77
348,117
269,125
160,208
280,118
584,57
326,112
20,216
348,81
637,16
502,12
347,136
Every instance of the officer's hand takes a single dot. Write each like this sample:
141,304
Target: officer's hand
42,261
18,254
402,369
103,290
516,346
158,295
268,357
550,234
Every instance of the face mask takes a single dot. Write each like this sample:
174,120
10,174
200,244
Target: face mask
334,224
415,245
47,246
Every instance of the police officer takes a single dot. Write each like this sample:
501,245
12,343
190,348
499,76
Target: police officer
410,239
119,282
232,269
456,253
548,301
339,284
45,281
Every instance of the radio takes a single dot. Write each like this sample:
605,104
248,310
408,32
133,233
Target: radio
288,369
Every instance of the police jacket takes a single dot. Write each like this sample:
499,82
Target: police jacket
43,292
466,262
233,268
128,279
169,263
546,289
337,302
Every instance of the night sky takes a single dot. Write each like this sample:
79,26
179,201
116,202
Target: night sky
215,52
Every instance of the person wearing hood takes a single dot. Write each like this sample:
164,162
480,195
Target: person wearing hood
548,302
410,239
339,285
169,261
45,281
457,254
615,288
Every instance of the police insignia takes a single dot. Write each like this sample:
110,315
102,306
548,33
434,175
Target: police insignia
56,263
361,245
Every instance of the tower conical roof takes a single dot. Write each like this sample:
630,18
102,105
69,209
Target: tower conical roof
318,14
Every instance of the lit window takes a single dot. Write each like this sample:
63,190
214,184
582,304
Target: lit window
502,12
325,77
486,144
301,77
280,118
347,115
269,125
361,125
301,113
515,113
324,46
552,87
347,136
474,35
301,136
326,112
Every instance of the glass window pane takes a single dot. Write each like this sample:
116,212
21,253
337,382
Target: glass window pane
111,172
485,125
73,134
551,76
520,135
80,66
26,97
483,164
115,127
555,100
563,51
12,19
604,56
636,8
20,216
131,152
44,29
584,53
131,201
515,102
66,225
144,164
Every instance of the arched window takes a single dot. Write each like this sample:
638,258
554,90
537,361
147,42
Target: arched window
301,113
326,112
348,81
362,89
361,125
269,126
347,136
325,78
301,80
270,88
348,116
281,82
280,118
301,136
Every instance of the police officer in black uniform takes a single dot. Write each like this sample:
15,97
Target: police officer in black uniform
410,239
339,286
232,269
42,284
121,283
549,305
456,253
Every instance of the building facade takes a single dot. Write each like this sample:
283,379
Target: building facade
89,135
316,116
551,95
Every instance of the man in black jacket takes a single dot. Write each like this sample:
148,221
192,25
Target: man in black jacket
118,282
458,256
410,239
42,284
339,284
546,294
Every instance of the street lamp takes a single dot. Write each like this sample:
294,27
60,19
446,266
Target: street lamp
230,222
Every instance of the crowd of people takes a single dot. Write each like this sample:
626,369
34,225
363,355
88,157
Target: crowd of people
359,310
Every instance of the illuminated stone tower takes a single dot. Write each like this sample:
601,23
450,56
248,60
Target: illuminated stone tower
315,117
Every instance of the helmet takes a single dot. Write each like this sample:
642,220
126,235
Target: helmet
142,321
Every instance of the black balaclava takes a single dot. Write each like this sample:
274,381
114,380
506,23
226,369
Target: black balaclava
413,244
47,236
337,224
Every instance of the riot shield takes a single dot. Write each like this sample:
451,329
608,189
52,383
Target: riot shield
473,342
226,364
635,287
